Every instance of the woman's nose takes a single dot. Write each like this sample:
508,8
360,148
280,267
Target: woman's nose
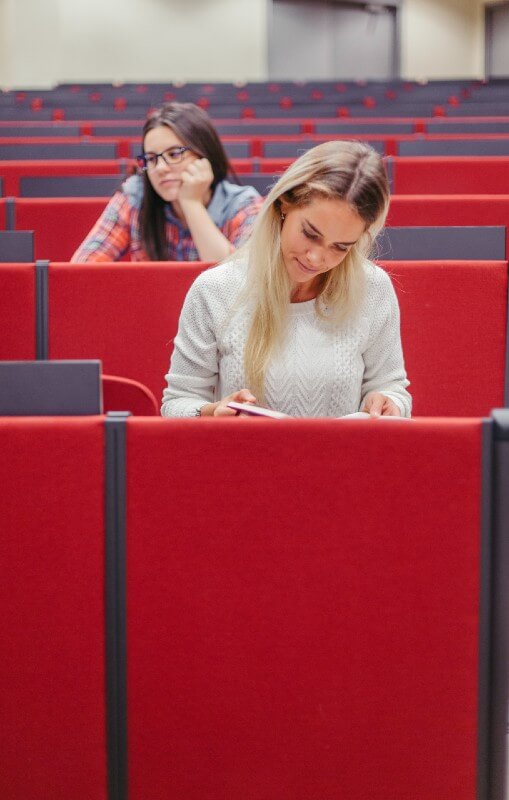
315,256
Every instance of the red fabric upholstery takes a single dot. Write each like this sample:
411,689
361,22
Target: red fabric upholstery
454,318
60,224
51,599
17,312
303,616
450,175
125,314
12,171
444,210
453,327
2,214
122,394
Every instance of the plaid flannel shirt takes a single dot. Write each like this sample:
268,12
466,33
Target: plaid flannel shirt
117,231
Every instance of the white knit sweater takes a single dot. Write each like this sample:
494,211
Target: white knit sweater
320,371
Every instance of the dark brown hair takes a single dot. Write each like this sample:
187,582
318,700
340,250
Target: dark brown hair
193,126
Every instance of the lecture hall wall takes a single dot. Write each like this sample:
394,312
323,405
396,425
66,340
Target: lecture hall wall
43,43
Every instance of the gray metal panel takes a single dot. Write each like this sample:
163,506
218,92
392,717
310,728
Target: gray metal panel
26,114
41,310
294,149
485,614
237,149
16,246
467,127
447,243
10,214
70,186
115,604
262,183
454,147
479,109
50,388
364,127
118,130
33,130
93,111
42,152
257,129
499,699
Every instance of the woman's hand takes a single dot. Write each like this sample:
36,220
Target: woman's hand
196,182
220,409
379,405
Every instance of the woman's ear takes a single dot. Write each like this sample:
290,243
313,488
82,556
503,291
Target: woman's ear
284,207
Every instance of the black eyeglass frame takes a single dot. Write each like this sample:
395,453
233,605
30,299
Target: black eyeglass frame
142,157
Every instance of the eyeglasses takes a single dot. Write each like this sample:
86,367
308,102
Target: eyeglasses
174,155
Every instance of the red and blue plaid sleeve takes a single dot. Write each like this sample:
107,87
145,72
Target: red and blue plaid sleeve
110,237
238,228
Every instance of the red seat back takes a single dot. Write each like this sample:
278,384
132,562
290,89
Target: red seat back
450,175
60,224
303,618
17,312
453,328
446,209
52,609
454,320
127,314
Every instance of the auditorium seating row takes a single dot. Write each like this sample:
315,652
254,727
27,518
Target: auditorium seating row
266,146
317,99
419,227
256,127
286,109
292,610
453,322
408,175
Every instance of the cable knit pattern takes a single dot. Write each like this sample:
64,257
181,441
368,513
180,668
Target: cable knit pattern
320,370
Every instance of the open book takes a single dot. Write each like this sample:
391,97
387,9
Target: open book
259,411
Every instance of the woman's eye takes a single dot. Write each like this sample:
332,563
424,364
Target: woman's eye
308,234
341,248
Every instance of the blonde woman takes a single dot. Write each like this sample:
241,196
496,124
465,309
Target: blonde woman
299,319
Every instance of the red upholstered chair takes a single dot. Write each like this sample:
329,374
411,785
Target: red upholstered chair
124,394
303,608
17,312
53,731
60,224
13,171
450,175
125,314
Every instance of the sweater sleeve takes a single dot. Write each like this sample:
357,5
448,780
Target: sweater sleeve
193,374
109,238
384,369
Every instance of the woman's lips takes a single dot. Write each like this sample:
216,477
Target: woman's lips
308,270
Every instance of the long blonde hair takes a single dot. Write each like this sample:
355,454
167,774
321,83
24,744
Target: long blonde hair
339,170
